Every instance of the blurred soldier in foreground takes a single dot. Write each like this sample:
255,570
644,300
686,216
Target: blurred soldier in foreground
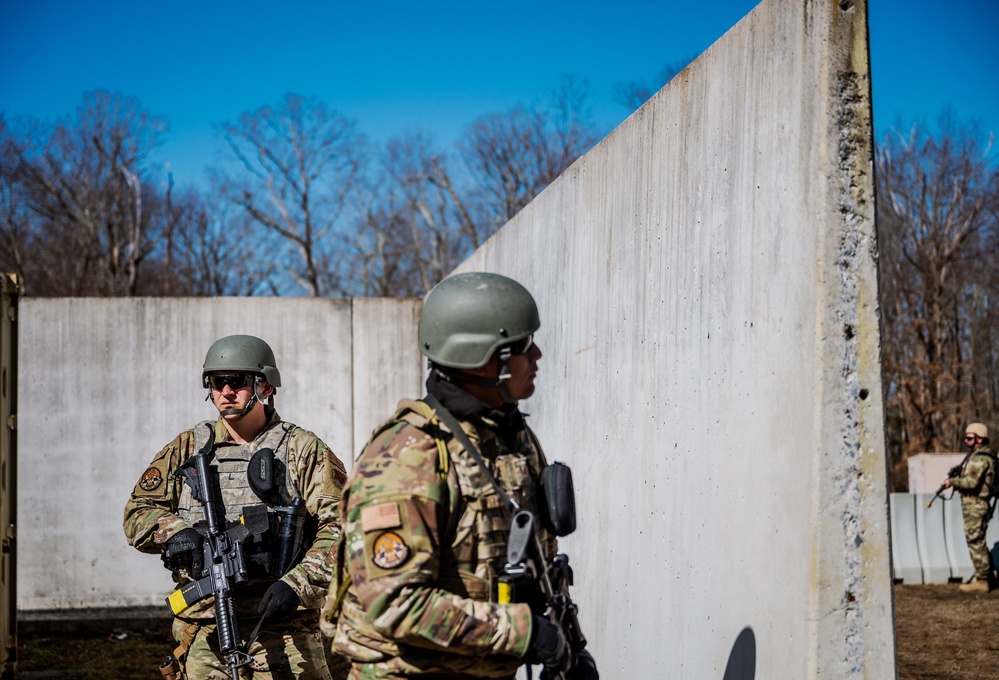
425,584
974,479
272,488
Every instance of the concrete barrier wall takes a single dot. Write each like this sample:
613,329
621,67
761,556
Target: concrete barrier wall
708,290
104,384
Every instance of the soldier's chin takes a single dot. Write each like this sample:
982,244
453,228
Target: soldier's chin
230,412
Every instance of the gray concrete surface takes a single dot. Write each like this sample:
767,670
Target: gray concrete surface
104,384
707,283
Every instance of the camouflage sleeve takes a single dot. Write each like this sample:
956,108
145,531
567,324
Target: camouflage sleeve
972,474
395,525
319,476
150,518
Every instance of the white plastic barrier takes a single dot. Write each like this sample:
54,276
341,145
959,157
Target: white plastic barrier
928,545
930,538
904,546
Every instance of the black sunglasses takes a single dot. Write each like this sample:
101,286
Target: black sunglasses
522,346
234,380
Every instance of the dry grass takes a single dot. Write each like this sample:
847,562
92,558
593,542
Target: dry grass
941,633
944,633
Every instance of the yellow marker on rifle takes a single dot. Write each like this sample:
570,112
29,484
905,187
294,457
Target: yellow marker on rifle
504,593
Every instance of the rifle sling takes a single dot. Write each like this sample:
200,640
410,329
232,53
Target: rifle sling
452,424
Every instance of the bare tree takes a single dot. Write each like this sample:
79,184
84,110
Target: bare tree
86,227
938,239
632,94
513,156
424,210
301,162
14,220
217,249
412,229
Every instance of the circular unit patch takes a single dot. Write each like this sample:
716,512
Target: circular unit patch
390,551
151,479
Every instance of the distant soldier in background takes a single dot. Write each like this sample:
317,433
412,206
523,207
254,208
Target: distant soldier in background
974,479
427,509
265,466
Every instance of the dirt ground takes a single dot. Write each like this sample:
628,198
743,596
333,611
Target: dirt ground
944,633
941,633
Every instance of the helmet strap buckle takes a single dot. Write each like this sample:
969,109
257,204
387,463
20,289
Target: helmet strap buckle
504,355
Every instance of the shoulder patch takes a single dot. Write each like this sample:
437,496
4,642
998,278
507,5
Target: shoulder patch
382,516
390,551
151,479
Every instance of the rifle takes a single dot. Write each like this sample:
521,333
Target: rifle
526,563
225,564
953,472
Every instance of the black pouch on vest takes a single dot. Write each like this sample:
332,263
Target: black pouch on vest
558,506
262,475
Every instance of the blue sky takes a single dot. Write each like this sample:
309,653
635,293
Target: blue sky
395,66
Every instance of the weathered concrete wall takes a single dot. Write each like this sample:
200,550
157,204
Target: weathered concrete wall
104,384
708,289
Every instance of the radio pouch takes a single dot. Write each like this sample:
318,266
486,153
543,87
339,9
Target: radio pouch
558,509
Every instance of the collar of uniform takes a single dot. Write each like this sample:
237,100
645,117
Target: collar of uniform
463,405
222,434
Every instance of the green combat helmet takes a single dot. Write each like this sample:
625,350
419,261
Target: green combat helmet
243,353
468,317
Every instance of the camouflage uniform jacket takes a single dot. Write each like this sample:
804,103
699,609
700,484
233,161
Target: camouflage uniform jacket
977,474
424,542
161,503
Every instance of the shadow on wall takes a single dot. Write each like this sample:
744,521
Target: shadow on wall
742,660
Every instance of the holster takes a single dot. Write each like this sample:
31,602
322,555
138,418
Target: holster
170,669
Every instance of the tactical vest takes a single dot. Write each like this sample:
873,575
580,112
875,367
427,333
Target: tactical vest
988,484
479,520
472,551
232,461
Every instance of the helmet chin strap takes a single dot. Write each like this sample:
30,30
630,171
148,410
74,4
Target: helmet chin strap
499,382
241,413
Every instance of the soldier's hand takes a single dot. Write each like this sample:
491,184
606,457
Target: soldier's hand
279,602
185,550
583,667
548,646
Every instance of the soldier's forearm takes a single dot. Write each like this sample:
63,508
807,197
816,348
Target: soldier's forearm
424,616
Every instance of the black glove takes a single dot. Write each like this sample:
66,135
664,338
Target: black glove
279,602
547,646
583,667
185,549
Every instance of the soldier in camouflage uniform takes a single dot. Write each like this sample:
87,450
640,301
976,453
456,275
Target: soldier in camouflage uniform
974,482
424,530
161,517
